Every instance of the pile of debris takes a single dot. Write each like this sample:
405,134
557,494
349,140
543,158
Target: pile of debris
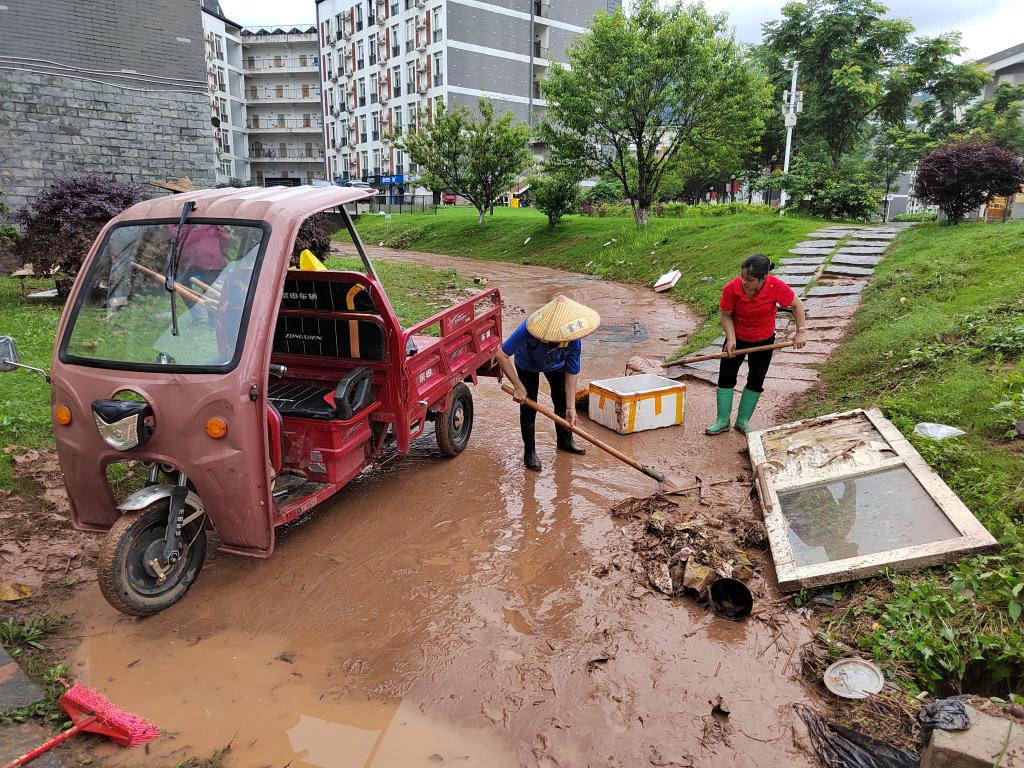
681,550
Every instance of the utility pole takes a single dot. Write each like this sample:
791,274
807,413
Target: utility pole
792,105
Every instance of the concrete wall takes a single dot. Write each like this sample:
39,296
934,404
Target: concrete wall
51,126
116,86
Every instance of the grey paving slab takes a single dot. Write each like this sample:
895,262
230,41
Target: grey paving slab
811,251
856,260
23,737
798,269
817,302
16,690
865,249
872,241
836,290
875,235
816,260
840,269
792,280
822,243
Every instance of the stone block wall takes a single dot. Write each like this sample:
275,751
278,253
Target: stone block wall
52,125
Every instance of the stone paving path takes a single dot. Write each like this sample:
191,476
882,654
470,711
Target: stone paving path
17,691
828,270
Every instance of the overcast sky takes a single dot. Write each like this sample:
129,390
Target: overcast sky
988,26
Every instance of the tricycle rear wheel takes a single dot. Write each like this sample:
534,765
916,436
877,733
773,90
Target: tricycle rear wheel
454,424
126,580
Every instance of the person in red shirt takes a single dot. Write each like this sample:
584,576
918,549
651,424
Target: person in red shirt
747,312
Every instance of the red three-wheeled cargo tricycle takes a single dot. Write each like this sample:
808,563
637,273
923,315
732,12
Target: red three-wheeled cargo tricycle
250,391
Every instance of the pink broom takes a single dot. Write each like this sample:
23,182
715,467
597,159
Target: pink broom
92,713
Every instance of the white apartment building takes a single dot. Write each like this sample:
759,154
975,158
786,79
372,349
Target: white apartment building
284,110
223,48
387,64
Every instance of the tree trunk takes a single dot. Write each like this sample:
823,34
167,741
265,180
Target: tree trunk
641,214
480,218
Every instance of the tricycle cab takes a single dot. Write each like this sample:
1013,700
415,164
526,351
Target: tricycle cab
188,343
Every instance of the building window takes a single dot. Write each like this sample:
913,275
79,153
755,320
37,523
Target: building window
436,30
222,79
303,60
375,123
278,61
309,149
376,162
370,17
339,21
219,43
359,17
365,164
279,91
411,114
225,168
362,129
410,34
305,91
399,162
373,51
282,150
410,81
360,53
396,81
394,7
225,142
374,89
252,92
396,43
438,69
397,112
362,92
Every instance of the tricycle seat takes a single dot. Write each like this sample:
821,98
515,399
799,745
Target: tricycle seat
353,394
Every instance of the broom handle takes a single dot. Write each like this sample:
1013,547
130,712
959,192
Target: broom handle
718,355
76,728
589,438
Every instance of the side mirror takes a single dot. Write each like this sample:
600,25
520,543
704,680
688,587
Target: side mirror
8,354
9,360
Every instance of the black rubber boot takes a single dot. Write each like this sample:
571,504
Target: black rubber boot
530,460
566,443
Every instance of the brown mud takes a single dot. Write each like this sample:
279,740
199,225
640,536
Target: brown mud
468,612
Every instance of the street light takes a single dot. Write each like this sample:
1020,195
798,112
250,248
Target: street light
792,105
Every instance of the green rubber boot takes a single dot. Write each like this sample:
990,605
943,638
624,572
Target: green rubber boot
748,402
724,397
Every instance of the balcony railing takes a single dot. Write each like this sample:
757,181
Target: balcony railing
286,123
396,50
409,45
438,78
285,94
396,89
286,153
276,65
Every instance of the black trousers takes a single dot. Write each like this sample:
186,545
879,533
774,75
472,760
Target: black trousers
757,365
531,380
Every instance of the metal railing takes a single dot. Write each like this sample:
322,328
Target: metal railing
283,94
273,123
286,153
272,64
386,201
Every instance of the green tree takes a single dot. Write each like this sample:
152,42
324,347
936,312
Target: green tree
644,87
856,66
999,120
894,150
475,157
555,194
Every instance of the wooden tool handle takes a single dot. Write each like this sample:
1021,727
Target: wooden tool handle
719,355
589,438
177,286
47,746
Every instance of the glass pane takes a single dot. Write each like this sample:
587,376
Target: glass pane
862,516
124,315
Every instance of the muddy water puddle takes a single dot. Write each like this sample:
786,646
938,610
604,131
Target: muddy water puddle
464,611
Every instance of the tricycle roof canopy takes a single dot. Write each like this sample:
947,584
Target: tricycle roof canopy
251,203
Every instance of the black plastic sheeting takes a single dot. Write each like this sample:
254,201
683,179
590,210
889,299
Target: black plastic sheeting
840,747
945,714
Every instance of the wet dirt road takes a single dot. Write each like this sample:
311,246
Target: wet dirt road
464,611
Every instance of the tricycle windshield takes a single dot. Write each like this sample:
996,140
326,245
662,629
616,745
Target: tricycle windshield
128,316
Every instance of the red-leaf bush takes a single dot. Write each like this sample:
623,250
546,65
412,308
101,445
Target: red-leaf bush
60,225
960,176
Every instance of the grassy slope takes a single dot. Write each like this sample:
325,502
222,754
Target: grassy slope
700,247
415,292
939,338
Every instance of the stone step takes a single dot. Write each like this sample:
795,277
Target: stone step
798,269
855,259
835,290
876,250
810,251
802,260
823,243
794,280
816,302
845,271
861,243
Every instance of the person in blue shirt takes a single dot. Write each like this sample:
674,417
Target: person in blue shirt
547,342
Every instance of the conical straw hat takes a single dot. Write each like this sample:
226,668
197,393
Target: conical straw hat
563,319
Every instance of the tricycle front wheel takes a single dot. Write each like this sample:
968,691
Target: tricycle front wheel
128,581
455,423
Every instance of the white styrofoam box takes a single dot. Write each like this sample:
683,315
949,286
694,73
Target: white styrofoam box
636,403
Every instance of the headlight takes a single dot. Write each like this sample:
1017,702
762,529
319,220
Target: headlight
123,424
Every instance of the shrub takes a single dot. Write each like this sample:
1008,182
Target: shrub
555,195
314,235
606,190
922,216
817,188
8,234
677,210
960,176
62,223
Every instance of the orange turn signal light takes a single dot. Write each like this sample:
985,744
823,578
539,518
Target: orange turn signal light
62,415
216,427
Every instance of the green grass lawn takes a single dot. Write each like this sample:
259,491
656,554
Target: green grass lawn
415,292
939,338
612,247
